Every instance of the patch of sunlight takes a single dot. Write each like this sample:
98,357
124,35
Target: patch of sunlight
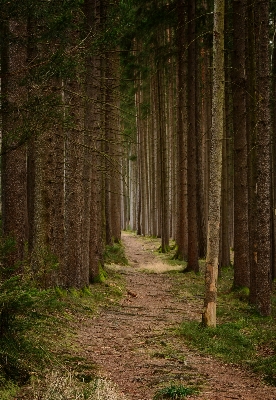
159,267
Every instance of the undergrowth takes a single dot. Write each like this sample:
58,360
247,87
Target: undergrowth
115,254
37,329
57,386
177,392
242,336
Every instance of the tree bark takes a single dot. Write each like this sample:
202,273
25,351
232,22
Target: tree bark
77,276
182,223
192,261
241,227
263,250
211,274
13,163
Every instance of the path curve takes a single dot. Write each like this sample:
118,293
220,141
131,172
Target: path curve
135,347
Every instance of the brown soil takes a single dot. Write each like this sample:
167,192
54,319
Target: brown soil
134,345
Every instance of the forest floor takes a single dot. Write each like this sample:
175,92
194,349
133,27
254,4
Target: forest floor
135,343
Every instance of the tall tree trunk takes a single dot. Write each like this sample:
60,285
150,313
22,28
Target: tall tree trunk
273,97
211,273
77,276
206,126
154,175
224,260
263,250
163,165
92,224
226,219
241,236
192,262
251,129
113,126
13,163
182,223
139,166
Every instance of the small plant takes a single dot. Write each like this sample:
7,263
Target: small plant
176,392
115,254
101,277
242,293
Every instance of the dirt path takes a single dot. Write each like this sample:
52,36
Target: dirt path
135,347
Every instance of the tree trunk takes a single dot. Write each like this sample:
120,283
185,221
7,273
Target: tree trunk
77,276
241,227
113,127
192,262
92,227
211,274
13,163
273,97
163,165
251,129
263,250
182,223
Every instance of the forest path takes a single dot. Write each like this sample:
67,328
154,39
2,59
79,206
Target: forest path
135,346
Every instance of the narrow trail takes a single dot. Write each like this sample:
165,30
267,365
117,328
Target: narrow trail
135,346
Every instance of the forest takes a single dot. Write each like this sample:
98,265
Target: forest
151,116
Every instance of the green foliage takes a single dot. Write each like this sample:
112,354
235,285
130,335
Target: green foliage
36,328
177,392
101,277
242,293
115,254
21,306
227,340
8,390
242,336
133,157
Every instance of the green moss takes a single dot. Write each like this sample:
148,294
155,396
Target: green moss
8,390
101,277
115,254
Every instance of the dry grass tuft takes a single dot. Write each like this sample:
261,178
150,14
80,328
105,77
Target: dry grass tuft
58,386
159,267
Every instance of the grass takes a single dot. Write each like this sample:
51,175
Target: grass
242,336
37,330
57,386
115,254
173,391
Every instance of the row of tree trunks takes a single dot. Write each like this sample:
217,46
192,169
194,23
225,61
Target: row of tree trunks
54,169
244,168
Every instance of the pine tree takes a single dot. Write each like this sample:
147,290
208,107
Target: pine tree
211,273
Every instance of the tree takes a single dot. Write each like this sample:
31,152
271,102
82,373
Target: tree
13,163
263,198
211,273
92,224
182,223
241,231
192,260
